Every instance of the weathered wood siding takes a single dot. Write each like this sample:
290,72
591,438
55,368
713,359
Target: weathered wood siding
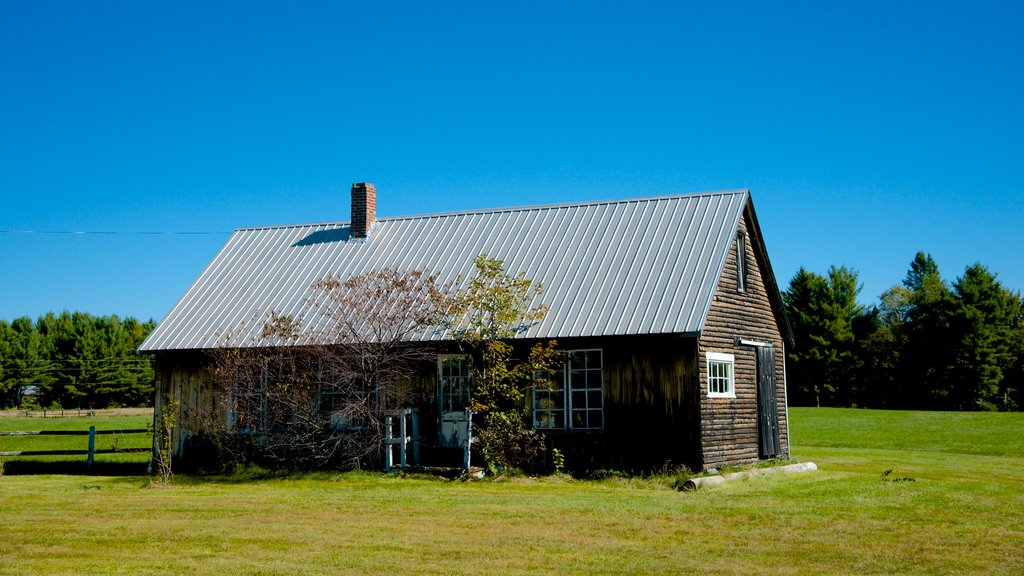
651,403
729,431
650,406
181,376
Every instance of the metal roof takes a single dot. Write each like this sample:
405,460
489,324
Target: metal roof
635,266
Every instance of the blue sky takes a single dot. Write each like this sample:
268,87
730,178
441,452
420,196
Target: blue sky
865,131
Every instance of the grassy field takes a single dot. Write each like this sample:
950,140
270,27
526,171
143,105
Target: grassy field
128,462
963,513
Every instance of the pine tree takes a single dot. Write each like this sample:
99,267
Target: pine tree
982,328
823,313
925,365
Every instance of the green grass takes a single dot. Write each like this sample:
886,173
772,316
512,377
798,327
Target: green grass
133,463
983,433
964,513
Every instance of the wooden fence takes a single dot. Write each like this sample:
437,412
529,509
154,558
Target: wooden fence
92,432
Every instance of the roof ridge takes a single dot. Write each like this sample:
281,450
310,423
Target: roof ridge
507,209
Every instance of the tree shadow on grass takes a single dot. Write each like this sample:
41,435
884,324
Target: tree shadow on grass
73,468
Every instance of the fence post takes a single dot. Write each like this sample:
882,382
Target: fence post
469,439
388,456
92,445
415,435
405,436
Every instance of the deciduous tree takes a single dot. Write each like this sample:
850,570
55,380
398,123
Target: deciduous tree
494,307
314,391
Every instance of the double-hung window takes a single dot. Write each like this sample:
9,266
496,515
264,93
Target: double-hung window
721,375
575,398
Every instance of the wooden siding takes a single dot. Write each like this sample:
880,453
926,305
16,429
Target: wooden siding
650,405
181,376
729,425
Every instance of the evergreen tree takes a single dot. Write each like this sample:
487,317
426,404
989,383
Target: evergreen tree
1013,385
881,340
30,361
823,313
75,359
9,396
982,325
927,356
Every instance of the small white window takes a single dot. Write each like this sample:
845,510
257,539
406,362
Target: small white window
721,380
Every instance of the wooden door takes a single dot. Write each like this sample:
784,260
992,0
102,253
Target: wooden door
767,406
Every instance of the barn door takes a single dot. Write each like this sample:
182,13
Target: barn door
767,408
454,376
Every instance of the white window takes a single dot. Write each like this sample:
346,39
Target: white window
575,401
721,375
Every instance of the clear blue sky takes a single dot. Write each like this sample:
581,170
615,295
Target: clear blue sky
866,131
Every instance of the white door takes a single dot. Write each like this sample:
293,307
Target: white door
454,377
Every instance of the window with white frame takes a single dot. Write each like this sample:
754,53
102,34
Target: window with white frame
721,375
574,399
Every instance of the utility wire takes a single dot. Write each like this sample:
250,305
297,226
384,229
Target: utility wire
113,233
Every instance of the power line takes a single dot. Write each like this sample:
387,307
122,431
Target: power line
114,233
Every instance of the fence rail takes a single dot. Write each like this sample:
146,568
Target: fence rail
92,432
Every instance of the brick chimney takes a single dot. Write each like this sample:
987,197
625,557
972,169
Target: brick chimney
364,208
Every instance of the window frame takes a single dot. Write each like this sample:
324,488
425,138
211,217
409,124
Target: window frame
333,405
564,387
465,361
742,270
728,379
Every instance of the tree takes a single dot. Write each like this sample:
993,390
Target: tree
922,268
10,394
983,324
494,307
926,357
881,339
1013,385
823,312
31,366
315,394
75,359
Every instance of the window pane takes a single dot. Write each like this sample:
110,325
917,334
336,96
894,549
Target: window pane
579,419
720,376
579,400
578,379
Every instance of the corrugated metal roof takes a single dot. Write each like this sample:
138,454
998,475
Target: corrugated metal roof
636,266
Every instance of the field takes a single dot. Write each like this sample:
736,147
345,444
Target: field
105,464
952,503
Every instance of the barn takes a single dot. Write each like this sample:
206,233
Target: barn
666,308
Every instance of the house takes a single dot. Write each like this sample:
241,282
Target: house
666,307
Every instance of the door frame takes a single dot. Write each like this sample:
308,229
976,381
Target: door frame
452,425
769,441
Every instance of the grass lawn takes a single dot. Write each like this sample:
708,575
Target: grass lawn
118,463
964,513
